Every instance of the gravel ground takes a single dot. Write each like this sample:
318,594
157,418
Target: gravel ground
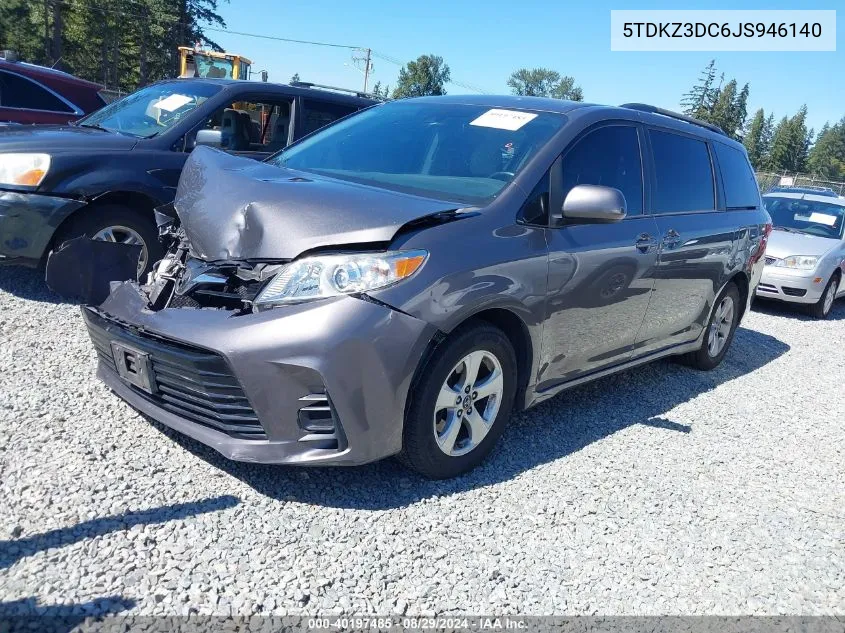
658,491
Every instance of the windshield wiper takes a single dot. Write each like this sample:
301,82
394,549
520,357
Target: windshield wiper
93,126
790,229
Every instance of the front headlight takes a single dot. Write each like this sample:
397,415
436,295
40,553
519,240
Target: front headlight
331,275
798,262
23,169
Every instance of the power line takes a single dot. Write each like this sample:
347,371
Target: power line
175,21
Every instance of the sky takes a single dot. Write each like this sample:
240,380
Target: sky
483,41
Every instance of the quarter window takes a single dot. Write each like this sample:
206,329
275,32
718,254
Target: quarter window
683,174
608,156
20,92
741,190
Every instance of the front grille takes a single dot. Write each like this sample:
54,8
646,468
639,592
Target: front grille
793,292
770,260
766,287
193,383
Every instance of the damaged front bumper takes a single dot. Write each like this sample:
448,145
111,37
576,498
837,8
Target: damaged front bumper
28,222
323,382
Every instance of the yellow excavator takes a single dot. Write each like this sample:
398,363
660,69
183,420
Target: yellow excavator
195,62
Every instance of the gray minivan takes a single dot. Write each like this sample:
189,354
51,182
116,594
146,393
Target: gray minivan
399,282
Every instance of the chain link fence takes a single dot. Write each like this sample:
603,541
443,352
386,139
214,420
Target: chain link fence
767,179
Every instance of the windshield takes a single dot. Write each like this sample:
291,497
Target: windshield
460,152
151,110
215,67
807,216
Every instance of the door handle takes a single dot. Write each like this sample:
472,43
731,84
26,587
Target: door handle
671,239
645,243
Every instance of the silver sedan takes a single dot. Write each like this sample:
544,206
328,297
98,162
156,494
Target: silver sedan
805,256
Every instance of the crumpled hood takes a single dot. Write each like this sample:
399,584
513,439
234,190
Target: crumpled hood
61,138
235,208
783,244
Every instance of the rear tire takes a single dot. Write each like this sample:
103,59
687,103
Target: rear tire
719,332
123,224
821,309
461,403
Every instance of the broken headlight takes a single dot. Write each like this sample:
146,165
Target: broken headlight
331,275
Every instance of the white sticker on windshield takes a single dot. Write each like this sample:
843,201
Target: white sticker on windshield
172,102
823,218
504,119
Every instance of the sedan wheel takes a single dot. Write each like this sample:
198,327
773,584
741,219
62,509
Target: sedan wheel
822,308
468,403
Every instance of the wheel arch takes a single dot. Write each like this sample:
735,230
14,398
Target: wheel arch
512,325
131,199
741,281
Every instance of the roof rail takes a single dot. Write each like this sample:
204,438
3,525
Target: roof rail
643,107
357,93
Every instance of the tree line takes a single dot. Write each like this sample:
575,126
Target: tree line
783,146
121,44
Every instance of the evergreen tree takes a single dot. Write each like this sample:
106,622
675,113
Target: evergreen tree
723,113
754,140
827,157
698,100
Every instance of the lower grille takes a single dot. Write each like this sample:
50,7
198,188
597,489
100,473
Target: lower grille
193,383
793,292
767,288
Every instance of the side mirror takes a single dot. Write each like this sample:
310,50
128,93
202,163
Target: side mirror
211,138
594,203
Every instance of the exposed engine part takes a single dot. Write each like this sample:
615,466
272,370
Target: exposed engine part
182,281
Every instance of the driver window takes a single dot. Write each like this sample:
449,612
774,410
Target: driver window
253,126
608,156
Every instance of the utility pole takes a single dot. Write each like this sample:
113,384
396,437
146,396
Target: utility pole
367,68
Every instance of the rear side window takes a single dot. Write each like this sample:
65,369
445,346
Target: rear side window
20,92
320,113
741,190
608,156
683,174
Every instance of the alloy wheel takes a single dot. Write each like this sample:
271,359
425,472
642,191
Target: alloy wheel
830,295
720,327
124,235
468,402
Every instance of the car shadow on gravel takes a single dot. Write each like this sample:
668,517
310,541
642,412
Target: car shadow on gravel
796,311
28,615
28,283
13,550
550,431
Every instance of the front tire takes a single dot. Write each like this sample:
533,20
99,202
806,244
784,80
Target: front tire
114,223
719,332
821,309
461,403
